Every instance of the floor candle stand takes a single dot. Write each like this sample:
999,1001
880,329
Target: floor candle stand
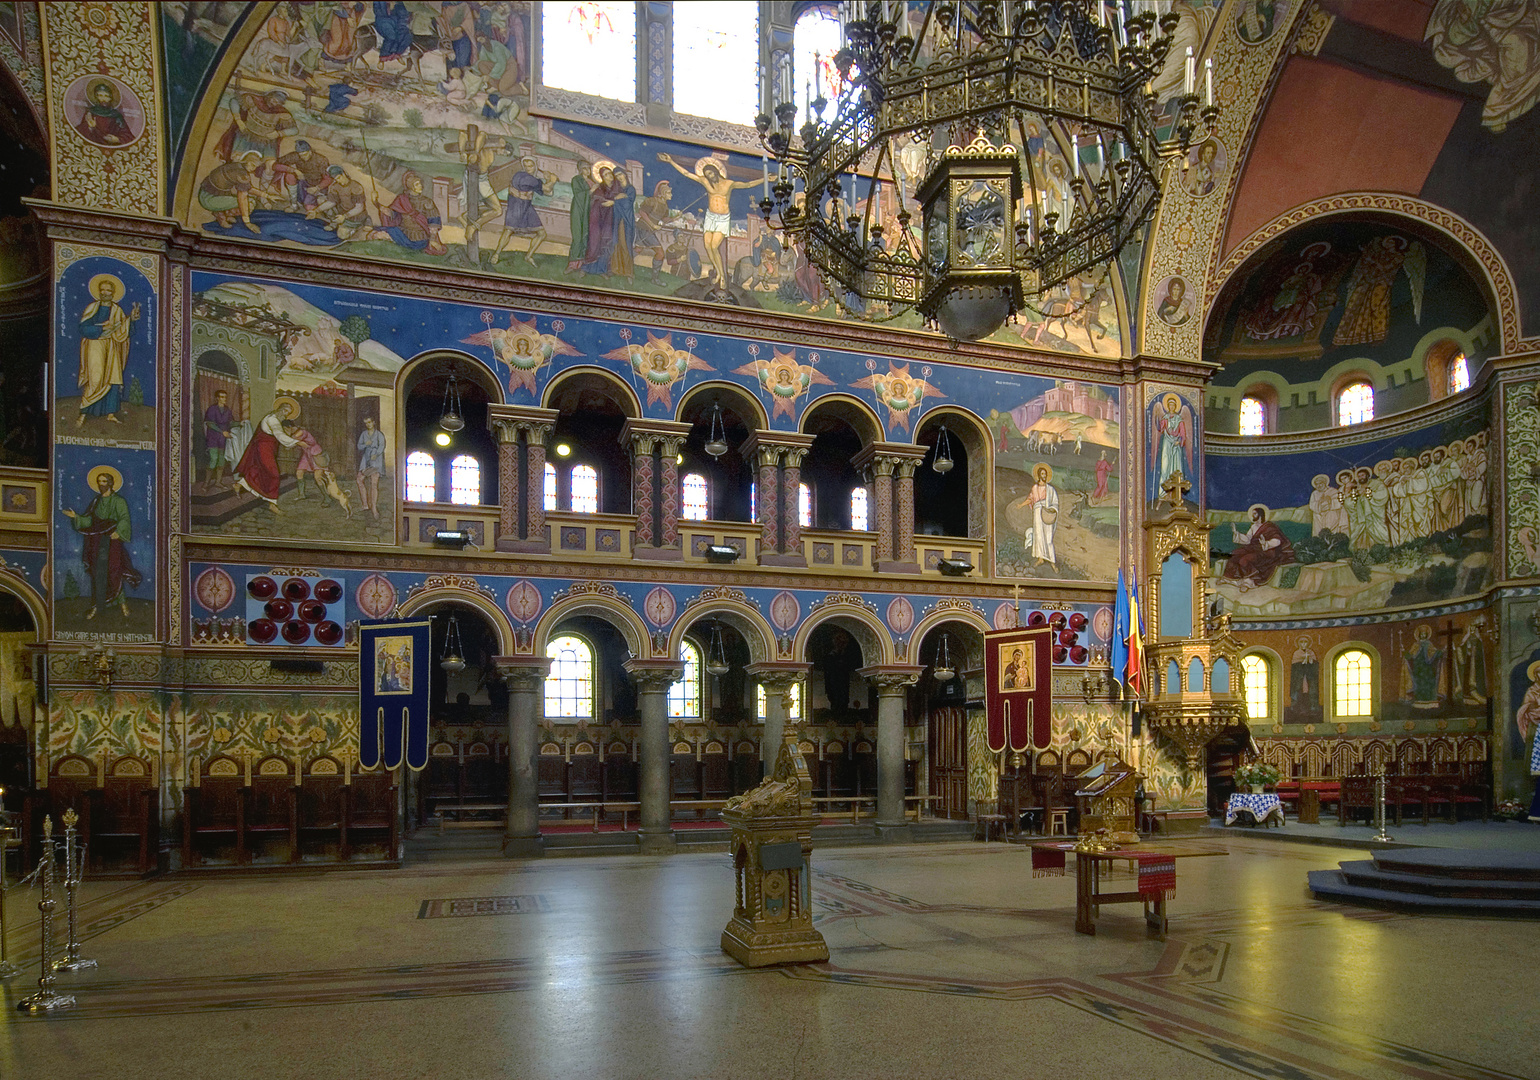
1380,836
7,841
74,870
46,1000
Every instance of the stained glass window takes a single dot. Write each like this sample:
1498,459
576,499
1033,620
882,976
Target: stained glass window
419,476
550,486
753,501
694,490
795,713
716,60
1355,404
805,506
684,695
1254,679
590,47
569,688
1459,374
1352,687
1253,416
585,490
815,40
858,515
465,480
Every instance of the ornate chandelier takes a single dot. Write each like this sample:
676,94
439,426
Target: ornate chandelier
994,105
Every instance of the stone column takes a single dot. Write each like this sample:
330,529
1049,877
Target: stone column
653,678
641,488
778,678
534,493
882,507
508,486
668,497
903,512
791,480
768,494
524,677
892,684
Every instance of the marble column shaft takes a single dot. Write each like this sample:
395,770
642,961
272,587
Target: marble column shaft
892,693
903,510
668,524
641,489
791,481
534,488
769,498
508,486
656,834
882,500
524,679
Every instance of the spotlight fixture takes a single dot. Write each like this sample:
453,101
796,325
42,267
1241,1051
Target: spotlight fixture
942,461
451,538
723,553
716,662
954,567
454,653
563,450
442,438
452,419
716,441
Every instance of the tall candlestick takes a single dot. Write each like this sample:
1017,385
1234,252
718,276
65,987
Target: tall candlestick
764,164
1208,81
1190,73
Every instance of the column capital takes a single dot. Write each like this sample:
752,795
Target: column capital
526,416
778,674
522,672
766,447
891,678
890,454
645,434
654,674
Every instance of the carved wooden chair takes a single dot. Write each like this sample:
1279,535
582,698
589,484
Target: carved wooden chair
272,812
129,814
319,807
214,810
370,809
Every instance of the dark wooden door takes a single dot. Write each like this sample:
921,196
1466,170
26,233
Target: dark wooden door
948,734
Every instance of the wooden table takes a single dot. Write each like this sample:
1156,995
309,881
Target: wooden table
1089,898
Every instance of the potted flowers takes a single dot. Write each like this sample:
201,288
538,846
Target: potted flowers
1256,776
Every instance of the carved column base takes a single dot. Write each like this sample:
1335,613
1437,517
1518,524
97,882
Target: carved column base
540,546
893,834
523,847
656,843
897,567
657,554
771,558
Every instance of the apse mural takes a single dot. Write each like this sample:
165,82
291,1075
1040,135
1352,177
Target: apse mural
405,132
1354,526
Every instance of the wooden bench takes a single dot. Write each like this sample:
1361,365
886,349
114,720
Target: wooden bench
445,809
921,805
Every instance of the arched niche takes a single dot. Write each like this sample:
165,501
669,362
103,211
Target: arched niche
841,428
956,501
430,600
593,407
726,411
427,387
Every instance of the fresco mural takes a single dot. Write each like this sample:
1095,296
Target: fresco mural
104,345
405,133
307,363
1172,445
105,544
1354,527
1520,411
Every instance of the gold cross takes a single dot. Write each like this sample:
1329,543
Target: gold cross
1174,488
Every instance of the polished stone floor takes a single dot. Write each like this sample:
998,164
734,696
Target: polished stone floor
947,960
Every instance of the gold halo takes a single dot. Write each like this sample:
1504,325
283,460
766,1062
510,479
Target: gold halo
1258,506
108,83
1168,399
117,286
282,400
1040,466
1533,671
98,471
700,166
602,163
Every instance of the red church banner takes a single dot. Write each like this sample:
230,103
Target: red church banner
1018,677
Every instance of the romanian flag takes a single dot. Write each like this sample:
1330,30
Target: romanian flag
1120,633
1134,673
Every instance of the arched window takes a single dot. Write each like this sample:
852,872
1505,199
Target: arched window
550,486
569,688
465,480
684,695
753,501
795,713
419,476
585,490
1355,403
815,40
588,46
805,506
695,503
859,521
1253,416
1256,683
1459,374
1353,683
716,61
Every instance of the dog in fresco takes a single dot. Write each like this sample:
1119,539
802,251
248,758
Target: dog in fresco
326,480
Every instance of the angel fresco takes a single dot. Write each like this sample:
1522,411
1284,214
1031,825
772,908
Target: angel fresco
522,347
1366,309
897,391
1497,42
658,364
1293,306
784,379
1171,442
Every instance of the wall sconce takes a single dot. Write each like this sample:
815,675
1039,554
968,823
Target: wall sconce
954,567
721,553
102,663
452,419
1092,686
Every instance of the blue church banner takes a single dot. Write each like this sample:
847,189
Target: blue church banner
394,691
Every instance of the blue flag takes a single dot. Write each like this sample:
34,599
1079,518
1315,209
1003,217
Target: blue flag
1120,633
394,692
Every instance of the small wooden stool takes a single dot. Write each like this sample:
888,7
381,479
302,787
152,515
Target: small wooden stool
1058,822
990,823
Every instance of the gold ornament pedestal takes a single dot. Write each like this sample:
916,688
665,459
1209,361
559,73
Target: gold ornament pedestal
772,841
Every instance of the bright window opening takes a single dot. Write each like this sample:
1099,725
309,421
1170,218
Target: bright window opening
465,480
796,702
858,516
804,506
589,47
1253,416
716,60
753,501
684,695
1355,404
815,40
569,688
1459,374
1254,684
419,476
1352,683
694,491
550,486
585,490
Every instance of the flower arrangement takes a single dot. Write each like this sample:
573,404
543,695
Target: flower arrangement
1256,775
1510,810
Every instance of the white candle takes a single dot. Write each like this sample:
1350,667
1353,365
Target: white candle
764,164
1208,81
1190,72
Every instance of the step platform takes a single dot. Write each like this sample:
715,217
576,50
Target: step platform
1437,880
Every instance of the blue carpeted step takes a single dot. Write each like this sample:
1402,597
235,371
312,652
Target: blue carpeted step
1332,885
1371,874
1456,863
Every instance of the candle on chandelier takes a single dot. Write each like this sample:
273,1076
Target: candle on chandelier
1208,81
1189,75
